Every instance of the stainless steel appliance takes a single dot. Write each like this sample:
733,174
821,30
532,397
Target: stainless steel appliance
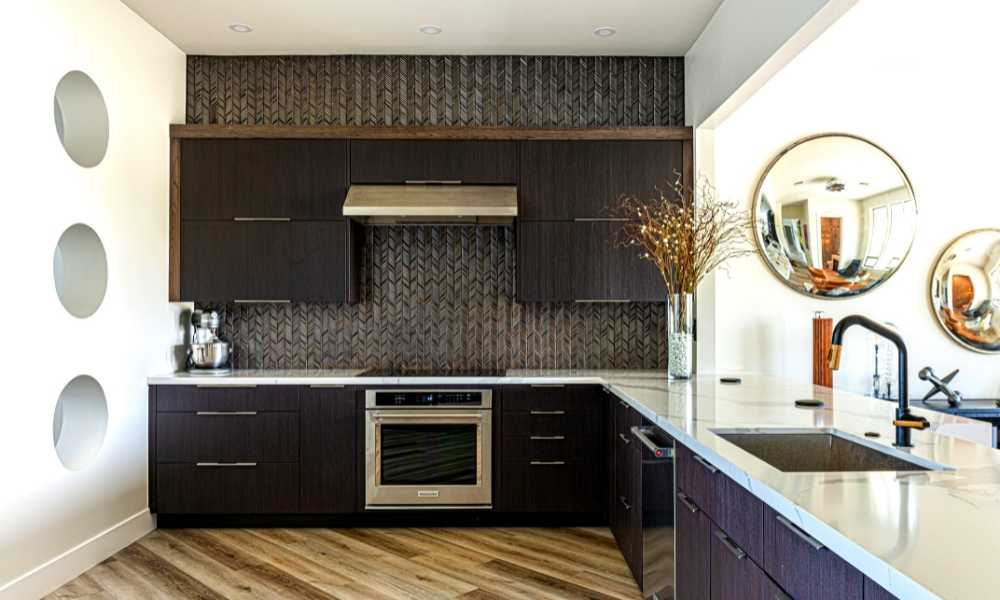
657,482
428,448
208,352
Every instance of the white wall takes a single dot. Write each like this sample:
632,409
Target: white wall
743,45
45,509
914,77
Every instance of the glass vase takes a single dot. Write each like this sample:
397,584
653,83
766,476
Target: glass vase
680,336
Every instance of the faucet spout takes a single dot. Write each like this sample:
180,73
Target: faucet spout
905,420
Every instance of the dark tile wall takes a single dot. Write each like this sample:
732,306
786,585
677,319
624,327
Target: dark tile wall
441,295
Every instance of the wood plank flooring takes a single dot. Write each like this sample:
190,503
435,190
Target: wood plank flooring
349,564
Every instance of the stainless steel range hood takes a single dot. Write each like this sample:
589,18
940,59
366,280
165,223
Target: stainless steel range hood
423,203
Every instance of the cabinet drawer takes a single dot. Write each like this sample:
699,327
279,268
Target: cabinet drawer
697,477
802,566
734,575
550,397
550,422
549,447
399,161
551,486
251,488
184,398
233,436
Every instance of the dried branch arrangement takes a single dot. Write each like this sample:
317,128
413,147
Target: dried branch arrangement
685,240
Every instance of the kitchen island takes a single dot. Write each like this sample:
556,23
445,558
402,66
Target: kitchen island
891,526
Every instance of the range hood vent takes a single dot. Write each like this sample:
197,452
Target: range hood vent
431,204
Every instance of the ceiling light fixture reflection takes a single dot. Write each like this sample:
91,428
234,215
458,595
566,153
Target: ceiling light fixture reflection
241,28
605,31
430,30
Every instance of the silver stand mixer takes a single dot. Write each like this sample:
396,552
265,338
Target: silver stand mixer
208,353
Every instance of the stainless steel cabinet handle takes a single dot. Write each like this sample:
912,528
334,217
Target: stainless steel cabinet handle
728,543
658,451
805,537
623,403
537,463
688,504
262,219
226,413
548,385
226,464
701,461
624,503
225,386
600,219
327,386
548,412
548,437
602,300
261,301
433,181
624,438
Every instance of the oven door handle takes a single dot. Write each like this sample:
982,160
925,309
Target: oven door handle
423,416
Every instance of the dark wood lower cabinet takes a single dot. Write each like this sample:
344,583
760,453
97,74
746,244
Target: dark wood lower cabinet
329,450
228,488
734,575
693,550
874,591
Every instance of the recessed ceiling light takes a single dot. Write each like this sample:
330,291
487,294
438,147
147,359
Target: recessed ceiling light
241,28
605,31
430,29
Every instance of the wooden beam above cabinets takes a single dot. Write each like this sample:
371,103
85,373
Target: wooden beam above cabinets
404,132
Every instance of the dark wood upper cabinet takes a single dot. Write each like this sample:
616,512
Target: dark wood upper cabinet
545,261
296,179
468,161
225,261
580,179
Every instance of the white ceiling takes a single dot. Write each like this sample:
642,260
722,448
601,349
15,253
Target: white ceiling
644,27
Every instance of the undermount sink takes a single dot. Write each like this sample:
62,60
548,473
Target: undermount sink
822,450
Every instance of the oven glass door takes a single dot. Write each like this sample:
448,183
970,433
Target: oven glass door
428,457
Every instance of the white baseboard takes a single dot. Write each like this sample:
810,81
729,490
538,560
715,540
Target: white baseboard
48,577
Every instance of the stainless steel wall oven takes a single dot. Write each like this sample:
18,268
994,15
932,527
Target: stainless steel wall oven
427,448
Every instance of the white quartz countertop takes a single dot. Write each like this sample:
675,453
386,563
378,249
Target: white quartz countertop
933,534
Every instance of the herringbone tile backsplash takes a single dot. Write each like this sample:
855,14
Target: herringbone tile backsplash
441,295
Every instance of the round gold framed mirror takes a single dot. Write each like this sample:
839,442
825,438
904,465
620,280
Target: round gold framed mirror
834,216
965,290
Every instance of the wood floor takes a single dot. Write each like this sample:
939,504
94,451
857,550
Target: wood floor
480,564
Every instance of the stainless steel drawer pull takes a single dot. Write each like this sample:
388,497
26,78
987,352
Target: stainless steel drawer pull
624,503
261,301
548,385
540,463
226,464
728,543
600,219
225,386
602,300
548,437
262,219
226,413
433,182
548,412
623,403
327,386
624,438
658,451
805,537
701,461
688,504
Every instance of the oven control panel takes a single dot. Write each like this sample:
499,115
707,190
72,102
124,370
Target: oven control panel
427,398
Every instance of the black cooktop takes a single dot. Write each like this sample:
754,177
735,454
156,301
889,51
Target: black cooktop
429,372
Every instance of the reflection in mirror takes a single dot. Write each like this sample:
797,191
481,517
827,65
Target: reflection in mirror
834,216
965,290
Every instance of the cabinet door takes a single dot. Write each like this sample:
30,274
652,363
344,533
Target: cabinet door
329,459
267,260
213,261
874,591
399,161
581,179
804,567
734,576
603,269
693,539
545,261
187,488
322,261
298,179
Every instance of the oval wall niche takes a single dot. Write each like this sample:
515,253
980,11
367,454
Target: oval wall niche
80,270
81,118
79,422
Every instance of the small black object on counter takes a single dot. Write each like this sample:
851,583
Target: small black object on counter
809,403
